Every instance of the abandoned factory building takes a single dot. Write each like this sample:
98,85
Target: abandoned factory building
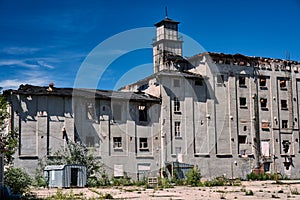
223,113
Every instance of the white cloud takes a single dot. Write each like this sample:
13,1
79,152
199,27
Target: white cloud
19,50
28,77
22,63
44,64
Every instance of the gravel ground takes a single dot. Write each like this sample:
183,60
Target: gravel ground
260,190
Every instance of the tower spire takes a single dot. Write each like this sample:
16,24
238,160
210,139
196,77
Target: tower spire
166,8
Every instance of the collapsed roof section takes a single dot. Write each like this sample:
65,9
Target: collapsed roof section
239,58
86,93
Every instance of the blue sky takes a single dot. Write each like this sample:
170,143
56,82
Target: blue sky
48,41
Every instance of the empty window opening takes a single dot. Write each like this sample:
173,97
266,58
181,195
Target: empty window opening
284,124
144,144
142,113
117,142
245,128
242,139
177,129
243,102
242,81
262,82
284,104
220,79
176,104
282,84
263,103
198,82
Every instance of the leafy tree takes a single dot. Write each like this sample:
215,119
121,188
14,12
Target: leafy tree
17,180
9,142
76,154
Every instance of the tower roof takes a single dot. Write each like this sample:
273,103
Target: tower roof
166,21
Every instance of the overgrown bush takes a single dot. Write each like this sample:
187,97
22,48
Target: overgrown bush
193,177
18,180
164,183
260,177
219,181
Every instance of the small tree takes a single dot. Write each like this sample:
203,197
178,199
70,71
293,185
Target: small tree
17,180
193,176
76,154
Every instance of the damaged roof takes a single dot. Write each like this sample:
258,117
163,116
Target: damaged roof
87,93
238,56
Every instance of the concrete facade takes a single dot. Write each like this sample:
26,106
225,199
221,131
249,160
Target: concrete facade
227,114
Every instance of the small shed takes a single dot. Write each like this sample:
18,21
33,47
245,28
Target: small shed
65,176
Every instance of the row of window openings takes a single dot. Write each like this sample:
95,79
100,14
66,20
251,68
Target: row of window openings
262,82
117,112
198,82
143,143
263,103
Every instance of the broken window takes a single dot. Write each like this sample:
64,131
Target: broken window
284,104
176,105
284,124
242,81
142,113
220,79
243,102
242,139
176,83
282,84
144,144
117,142
263,103
177,129
117,112
265,125
285,146
262,82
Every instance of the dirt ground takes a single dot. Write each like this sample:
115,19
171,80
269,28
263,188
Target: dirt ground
260,189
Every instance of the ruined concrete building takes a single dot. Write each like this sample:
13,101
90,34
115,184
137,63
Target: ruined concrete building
227,114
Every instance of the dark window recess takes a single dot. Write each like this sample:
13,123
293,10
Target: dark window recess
245,128
143,144
177,129
284,104
243,102
198,82
262,82
176,105
242,81
242,139
282,84
117,112
263,103
284,124
220,79
285,146
117,142
142,113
